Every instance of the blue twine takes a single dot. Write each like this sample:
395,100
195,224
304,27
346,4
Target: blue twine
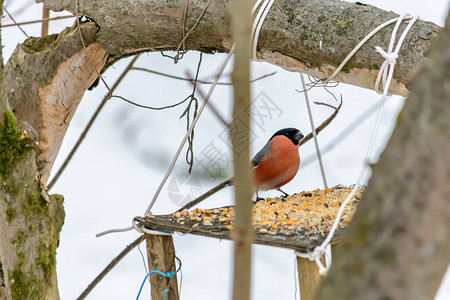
168,275
164,293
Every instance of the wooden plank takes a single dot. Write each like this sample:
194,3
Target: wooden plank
161,256
300,240
308,278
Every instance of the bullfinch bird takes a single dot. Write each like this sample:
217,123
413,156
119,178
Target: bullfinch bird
278,161
273,166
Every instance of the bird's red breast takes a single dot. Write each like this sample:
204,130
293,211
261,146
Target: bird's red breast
279,166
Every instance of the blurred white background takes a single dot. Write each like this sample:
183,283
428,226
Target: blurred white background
115,172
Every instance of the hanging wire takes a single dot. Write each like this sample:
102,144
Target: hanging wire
190,140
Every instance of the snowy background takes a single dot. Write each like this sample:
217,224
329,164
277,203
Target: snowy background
117,169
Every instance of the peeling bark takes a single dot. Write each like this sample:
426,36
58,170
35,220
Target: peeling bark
397,246
46,78
298,35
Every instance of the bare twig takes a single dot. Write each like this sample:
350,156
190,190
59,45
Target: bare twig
323,125
15,23
38,21
184,25
207,194
316,82
210,105
109,267
344,133
325,104
199,80
150,107
177,57
91,121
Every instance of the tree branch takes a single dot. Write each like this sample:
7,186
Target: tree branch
110,266
301,35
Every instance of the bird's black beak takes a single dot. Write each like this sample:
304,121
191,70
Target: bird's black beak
298,136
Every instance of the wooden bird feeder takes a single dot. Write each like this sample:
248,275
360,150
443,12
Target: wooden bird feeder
300,222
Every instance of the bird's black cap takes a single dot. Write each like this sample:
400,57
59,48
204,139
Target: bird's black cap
293,134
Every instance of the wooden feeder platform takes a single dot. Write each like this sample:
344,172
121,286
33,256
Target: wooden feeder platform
299,222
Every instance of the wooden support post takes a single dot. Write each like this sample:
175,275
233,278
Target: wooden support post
161,256
45,15
308,278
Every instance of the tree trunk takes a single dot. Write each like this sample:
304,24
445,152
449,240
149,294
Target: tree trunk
398,245
30,219
44,80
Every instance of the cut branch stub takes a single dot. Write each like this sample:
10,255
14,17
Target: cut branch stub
46,78
302,35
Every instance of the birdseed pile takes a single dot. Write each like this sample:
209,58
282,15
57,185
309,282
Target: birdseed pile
313,211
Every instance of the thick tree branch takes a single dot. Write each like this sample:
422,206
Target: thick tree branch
397,247
298,35
46,78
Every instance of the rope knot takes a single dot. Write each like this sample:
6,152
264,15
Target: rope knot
317,253
391,58
316,256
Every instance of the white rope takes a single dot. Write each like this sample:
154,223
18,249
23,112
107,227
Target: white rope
363,41
135,226
387,68
143,229
313,129
385,73
258,22
183,142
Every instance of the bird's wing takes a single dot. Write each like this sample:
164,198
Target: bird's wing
262,153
